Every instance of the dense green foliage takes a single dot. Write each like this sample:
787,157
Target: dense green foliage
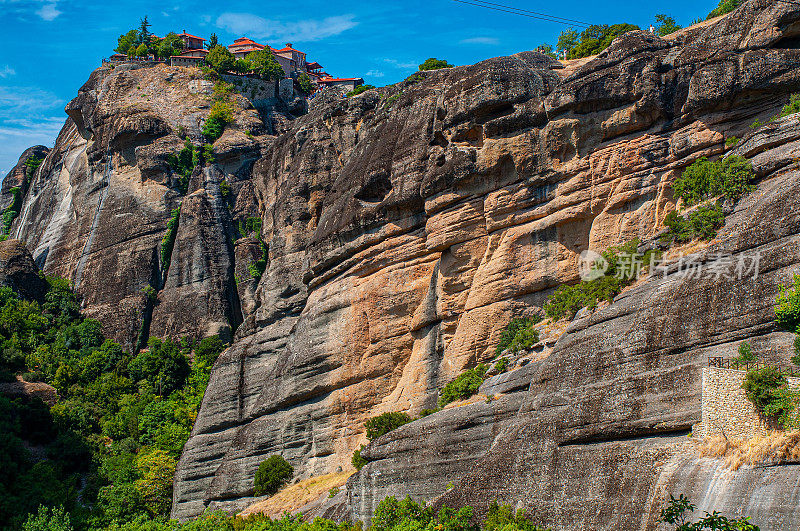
746,355
592,40
385,422
305,84
760,386
793,107
665,25
724,7
704,179
434,64
168,241
464,386
501,366
221,114
787,306
272,474
623,264
360,89
264,64
11,211
31,165
701,224
169,46
121,421
357,460
46,519
673,514
220,59
407,515
518,335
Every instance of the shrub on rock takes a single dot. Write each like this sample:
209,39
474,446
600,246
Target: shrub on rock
272,474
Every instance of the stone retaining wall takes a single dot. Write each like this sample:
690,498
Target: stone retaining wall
726,409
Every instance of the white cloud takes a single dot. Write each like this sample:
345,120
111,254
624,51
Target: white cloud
402,65
6,71
301,31
480,40
374,73
28,116
48,12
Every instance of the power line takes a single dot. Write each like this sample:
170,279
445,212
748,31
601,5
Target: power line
547,18
533,12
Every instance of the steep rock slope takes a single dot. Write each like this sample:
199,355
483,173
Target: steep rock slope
407,226
97,210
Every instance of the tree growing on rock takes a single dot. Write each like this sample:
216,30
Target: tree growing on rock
434,64
126,43
169,46
221,59
265,65
272,474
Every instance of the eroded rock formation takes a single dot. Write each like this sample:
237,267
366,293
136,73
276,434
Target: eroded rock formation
402,229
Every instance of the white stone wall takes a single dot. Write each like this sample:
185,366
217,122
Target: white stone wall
726,409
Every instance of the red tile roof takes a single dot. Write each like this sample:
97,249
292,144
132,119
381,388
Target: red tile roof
196,50
248,50
313,66
190,36
332,79
289,49
185,57
242,41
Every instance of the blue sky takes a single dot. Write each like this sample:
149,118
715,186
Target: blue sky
49,47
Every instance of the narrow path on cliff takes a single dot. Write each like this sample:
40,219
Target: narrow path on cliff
87,247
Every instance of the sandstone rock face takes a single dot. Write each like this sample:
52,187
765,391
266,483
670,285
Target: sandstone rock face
98,208
19,176
402,229
19,272
404,232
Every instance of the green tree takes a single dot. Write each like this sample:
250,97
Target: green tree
162,365
141,50
126,43
169,46
385,422
272,474
665,25
55,519
567,41
434,64
265,65
673,514
221,59
787,306
144,31
305,84
724,7
760,386
156,469
212,42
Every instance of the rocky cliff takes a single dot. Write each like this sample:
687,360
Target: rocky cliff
402,229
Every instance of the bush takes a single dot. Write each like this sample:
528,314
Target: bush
265,65
746,355
429,411
673,514
55,519
221,114
168,241
793,107
434,64
305,84
729,178
519,334
787,306
761,385
731,141
701,224
384,423
272,474
501,366
360,89
357,460
724,7
503,518
464,386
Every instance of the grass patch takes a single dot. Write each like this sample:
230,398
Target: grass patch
774,448
292,497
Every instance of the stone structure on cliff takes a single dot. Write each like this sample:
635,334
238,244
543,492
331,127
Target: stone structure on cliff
404,228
